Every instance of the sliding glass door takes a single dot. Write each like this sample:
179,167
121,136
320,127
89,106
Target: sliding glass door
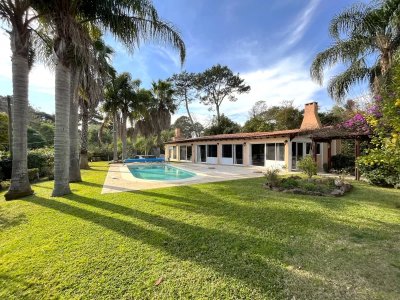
201,153
238,157
258,154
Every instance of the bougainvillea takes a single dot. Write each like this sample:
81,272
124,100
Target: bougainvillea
357,124
381,164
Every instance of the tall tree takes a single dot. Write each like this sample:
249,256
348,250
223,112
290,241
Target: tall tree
224,126
359,33
218,83
278,117
188,129
129,21
17,16
184,85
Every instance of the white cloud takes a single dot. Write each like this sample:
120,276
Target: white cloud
41,78
296,32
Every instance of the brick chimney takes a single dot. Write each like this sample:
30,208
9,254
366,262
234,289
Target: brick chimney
178,135
311,119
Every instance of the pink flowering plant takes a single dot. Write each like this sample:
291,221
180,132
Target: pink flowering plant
381,164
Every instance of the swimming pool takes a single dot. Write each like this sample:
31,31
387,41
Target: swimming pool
159,172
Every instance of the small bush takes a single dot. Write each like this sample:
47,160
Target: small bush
308,166
6,168
33,174
271,176
42,159
290,183
340,162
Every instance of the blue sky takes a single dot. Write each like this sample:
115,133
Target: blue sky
270,43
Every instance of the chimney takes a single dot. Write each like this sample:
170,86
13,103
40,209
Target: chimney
311,119
177,134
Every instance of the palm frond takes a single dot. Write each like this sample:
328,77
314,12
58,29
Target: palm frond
340,85
345,51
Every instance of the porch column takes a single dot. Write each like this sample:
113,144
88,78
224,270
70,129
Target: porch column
314,150
357,154
329,154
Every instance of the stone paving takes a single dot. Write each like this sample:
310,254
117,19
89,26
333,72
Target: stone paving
120,179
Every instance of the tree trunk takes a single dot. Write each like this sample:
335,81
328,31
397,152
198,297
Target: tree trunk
115,137
189,115
20,186
61,137
123,137
10,136
101,129
84,163
218,115
74,170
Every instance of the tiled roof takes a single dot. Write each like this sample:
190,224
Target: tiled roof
243,135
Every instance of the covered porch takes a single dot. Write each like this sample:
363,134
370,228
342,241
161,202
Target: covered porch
328,134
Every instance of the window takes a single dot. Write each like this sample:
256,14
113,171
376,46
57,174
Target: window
227,151
280,149
258,154
173,152
275,151
318,148
270,151
189,153
182,153
212,151
308,148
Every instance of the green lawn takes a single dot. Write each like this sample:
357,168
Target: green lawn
227,240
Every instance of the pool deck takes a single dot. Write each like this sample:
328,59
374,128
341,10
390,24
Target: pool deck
120,179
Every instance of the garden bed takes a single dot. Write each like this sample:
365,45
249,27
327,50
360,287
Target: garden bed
309,186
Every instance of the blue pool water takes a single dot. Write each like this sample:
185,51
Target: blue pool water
159,172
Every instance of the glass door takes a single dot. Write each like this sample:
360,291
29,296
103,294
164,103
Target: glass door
258,154
201,153
297,153
238,159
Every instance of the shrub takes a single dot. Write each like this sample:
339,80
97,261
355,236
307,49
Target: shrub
33,174
340,162
271,176
308,166
6,168
42,159
290,183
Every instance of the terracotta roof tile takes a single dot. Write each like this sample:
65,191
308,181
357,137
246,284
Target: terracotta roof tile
243,135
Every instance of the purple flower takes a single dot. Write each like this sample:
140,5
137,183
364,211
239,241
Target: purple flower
375,111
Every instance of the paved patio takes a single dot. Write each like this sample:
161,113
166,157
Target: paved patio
120,179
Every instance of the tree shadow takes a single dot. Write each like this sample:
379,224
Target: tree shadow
237,255
8,220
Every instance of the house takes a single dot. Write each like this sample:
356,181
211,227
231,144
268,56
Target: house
276,149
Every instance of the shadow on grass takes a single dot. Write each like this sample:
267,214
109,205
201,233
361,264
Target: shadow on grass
257,260
252,260
9,220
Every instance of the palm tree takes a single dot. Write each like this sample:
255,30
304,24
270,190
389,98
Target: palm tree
111,106
93,81
17,15
360,34
129,21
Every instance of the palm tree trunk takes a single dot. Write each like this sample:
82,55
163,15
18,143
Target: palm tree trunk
61,137
74,170
123,137
10,133
20,186
84,164
101,129
115,137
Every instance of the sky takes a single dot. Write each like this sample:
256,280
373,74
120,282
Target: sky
271,44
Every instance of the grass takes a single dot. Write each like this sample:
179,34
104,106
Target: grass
227,240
